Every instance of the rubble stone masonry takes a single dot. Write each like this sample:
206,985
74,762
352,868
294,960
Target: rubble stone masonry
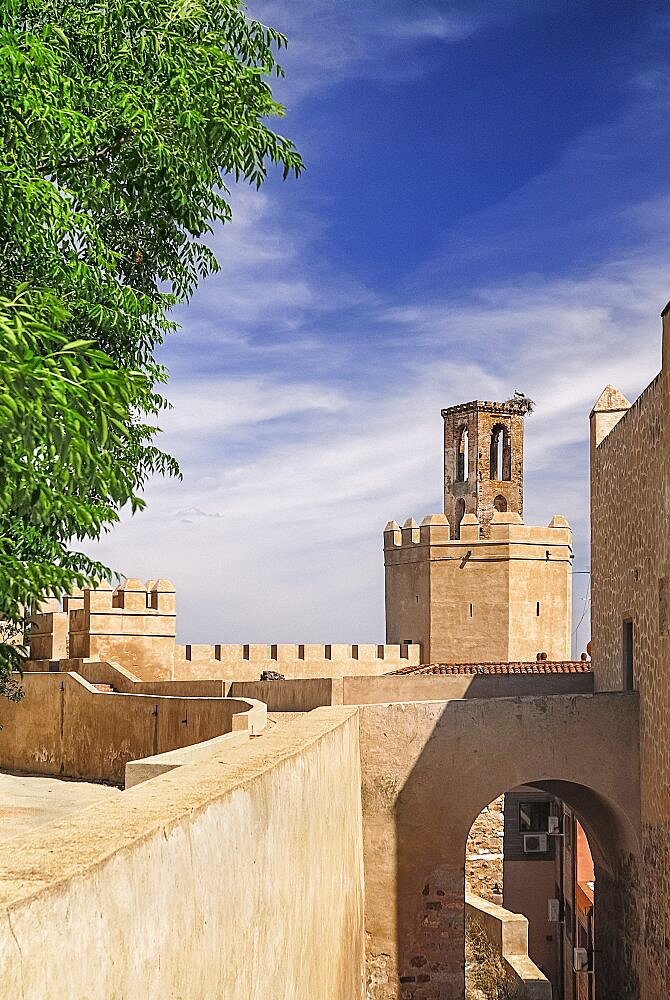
484,852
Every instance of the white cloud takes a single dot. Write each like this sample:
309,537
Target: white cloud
275,533
293,465
328,41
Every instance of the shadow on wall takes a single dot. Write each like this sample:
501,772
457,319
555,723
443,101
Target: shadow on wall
472,753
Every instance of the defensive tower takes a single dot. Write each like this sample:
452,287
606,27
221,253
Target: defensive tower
476,584
483,460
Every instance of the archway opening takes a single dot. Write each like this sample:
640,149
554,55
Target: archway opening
529,870
500,455
500,503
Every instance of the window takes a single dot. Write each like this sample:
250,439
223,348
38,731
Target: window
537,609
628,655
534,817
462,457
460,514
500,503
472,608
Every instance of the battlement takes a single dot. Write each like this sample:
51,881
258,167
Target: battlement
285,653
246,661
134,624
505,526
500,595
130,595
131,623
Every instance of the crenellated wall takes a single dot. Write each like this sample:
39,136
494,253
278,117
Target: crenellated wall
247,662
474,599
134,624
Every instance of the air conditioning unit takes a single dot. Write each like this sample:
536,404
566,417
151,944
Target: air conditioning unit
554,825
554,911
580,960
535,843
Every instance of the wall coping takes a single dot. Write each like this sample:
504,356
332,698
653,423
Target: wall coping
508,932
44,860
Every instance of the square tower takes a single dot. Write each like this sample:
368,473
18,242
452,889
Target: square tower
483,460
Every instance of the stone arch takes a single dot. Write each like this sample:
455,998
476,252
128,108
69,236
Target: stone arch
609,829
449,760
500,503
614,846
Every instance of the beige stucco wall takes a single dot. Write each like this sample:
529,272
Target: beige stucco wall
304,694
476,599
65,726
630,546
239,878
443,687
290,695
429,768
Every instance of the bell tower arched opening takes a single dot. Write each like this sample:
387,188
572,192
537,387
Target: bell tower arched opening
462,457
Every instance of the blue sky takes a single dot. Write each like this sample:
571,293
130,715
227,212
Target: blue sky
484,209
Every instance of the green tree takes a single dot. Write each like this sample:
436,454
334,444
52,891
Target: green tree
120,122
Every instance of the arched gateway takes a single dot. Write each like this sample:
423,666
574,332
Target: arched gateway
428,770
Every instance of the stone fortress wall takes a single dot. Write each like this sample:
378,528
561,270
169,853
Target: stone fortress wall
630,552
135,624
382,773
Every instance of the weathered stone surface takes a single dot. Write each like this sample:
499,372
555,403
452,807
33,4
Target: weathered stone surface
484,852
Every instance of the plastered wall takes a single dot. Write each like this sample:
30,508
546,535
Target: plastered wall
64,726
240,878
302,695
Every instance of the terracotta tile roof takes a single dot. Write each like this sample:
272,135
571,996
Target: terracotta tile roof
534,667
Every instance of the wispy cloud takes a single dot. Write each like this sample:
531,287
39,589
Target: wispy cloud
275,533
328,41
307,399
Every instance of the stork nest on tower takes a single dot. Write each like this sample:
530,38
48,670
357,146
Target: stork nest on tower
523,402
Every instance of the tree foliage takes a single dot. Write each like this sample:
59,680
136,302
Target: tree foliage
120,122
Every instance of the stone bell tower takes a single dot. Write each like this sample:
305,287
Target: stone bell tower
483,460
476,584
